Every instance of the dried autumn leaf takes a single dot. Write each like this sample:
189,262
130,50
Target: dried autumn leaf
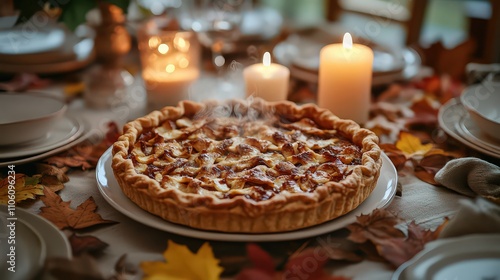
411,146
378,225
86,155
430,164
86,243
83,267
399,250
63,216
69,160
396,156
50,170
425,113
24,187
181,263
297,267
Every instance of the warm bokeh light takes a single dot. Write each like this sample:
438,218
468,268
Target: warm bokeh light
170,68
163,48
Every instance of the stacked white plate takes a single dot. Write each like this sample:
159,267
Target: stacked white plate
466,257
44,49
456,122
36,239
22,115
300,52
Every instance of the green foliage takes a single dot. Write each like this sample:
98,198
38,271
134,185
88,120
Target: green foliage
73,11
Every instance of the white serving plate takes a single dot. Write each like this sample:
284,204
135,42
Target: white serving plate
112,193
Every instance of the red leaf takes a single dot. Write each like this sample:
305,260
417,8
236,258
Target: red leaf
260,258
425,113
86,243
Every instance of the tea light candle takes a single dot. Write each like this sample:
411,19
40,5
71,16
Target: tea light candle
345,77
170,62
267,80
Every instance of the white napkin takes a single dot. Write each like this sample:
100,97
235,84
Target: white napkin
477,216
471,177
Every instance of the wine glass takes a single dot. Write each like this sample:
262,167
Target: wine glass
217,23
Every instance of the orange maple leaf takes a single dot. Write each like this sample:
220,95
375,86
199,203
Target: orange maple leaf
63,216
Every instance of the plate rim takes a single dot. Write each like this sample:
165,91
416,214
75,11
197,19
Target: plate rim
50,234
148,219
431,248
87,133
450,129
42,148
466,133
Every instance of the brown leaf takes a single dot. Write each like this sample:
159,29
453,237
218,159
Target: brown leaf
86,155
63,216
50,182
50,170
380,224
83,267
69,160
396,156
86,244
425,113
399,250
430,164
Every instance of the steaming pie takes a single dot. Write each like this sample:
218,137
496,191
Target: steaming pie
239,167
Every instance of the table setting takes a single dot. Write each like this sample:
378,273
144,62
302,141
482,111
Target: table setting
210,140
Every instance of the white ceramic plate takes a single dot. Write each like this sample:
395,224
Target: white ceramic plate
30,250
449,115
468,257
65,130
301,55
56,243
111,191
83,55
23,160
25,39
470,131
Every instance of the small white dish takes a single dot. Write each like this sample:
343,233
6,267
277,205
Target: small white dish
449,115
381,197
482,101
467,257
65,130
27,117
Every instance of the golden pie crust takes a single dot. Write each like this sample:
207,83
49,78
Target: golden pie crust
249,167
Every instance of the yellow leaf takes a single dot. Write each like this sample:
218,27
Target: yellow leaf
411,146
23,187
182,264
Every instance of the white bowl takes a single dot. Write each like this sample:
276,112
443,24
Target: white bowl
482,101
27,117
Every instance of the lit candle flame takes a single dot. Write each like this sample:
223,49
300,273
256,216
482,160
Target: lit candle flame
347,41
266,60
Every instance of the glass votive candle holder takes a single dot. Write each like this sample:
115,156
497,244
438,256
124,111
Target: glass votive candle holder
170,62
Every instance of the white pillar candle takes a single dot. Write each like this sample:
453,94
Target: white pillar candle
345,77
267,80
